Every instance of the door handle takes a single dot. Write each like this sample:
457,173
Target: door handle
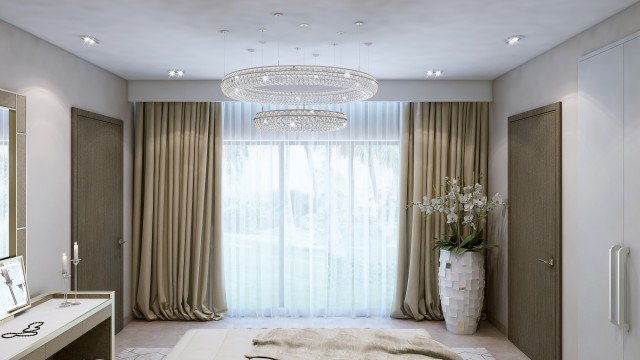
623,253
613,290
121,242
548,262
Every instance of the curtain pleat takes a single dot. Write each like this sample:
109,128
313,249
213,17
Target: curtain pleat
438,139
177,261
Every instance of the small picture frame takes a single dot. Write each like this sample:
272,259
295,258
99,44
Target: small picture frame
14,294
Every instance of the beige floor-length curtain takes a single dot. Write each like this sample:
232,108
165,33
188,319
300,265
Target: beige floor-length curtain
177,250
438,140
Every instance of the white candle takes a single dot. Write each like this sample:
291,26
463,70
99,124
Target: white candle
75,251
65,263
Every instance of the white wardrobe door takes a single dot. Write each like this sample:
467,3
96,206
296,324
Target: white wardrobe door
600,188
632,193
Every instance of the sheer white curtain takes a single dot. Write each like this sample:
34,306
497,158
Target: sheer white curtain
4,182
310,221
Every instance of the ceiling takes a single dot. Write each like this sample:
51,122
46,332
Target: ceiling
143,39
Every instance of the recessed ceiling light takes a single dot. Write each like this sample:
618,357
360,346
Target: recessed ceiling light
513,40
277,14
176,73
262,30
434,73
304,25
359,23
89,40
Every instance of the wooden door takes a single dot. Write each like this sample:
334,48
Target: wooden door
97,208
535,232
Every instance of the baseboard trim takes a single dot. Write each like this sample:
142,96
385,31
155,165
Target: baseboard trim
127,319
500,326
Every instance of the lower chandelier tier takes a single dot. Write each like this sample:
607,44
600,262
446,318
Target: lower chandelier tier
300,120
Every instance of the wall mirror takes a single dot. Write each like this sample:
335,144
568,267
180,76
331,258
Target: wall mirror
13,189
7,181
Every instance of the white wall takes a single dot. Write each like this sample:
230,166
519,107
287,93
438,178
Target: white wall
550,77
53,81
388,90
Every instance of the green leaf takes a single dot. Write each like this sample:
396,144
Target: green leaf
467,239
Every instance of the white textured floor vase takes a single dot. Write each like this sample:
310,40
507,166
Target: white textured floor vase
461,280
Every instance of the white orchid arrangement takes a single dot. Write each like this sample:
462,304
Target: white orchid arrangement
465,209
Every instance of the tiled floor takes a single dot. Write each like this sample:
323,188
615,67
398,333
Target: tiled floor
165,334
474,353
143,354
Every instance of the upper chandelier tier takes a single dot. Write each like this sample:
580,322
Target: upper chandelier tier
299,84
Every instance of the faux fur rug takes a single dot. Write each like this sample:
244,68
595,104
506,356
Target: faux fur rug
349,344
161,354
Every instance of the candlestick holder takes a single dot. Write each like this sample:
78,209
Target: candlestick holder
75,281
65,277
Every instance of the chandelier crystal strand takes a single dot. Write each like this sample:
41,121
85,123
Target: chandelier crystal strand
368,45
359,24
300,120
224,51
262,41
299,84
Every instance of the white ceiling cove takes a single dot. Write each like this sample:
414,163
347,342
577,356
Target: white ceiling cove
143,39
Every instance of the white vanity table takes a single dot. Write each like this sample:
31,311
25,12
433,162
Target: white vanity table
84,331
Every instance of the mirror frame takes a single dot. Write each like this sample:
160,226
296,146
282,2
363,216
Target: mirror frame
19,307
17,105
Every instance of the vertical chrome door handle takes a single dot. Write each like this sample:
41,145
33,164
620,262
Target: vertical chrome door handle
613,283
623,254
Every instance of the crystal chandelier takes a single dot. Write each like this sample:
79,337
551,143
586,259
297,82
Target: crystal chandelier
293,120
299,84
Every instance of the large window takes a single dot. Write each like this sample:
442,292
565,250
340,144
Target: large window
310,222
